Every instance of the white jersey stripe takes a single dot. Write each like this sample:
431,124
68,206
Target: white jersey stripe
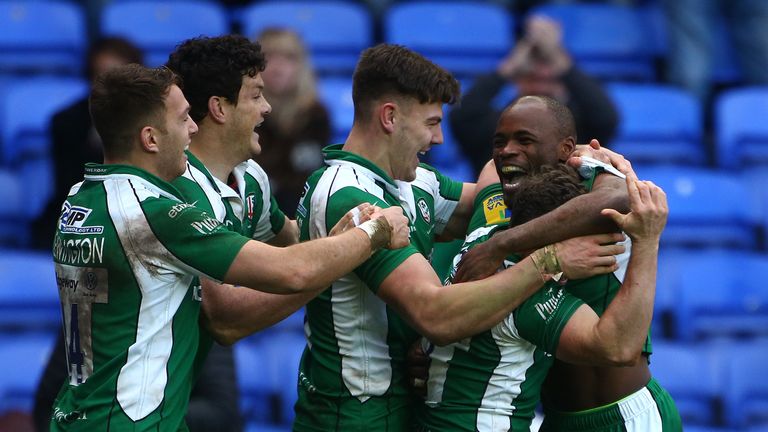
142,380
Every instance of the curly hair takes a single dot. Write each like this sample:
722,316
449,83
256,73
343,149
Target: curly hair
543,191
215,66
394,70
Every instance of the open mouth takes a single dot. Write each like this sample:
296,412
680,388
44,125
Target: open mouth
511,175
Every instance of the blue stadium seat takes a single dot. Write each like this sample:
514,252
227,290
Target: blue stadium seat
448,157
283,351
157,27
706,208
467,38
693,375
336,95
29,296
253,382
23,358
722,296
659,124
335,32
608,41
42,36
746,397
742,132
25,113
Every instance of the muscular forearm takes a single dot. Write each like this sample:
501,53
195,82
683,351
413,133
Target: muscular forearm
578,217
624,325
308,266
232,313
458,311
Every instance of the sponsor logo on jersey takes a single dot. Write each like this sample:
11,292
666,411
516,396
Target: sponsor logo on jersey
250,205
495,210
206,226
424,210
73,218
178,208
547,308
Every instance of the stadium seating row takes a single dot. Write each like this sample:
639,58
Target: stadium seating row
716,383
468,37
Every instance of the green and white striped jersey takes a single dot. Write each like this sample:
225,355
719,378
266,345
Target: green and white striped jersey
492,381
250,209
128,251
353,371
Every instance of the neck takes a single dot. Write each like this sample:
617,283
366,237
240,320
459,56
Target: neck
209,146
371,145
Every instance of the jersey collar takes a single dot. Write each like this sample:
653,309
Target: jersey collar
100,172
334,155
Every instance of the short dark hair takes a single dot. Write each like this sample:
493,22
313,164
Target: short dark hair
394,70
543,191
114,45
566,125
215,66
125,99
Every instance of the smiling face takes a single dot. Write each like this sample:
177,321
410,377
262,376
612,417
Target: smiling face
420,129
247,116
527,137
176,134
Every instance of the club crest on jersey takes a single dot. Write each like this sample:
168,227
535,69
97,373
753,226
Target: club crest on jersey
424,210
72,219
250,205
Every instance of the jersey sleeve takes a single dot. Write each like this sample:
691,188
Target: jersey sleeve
270,219
489,208
374,270
542,318
591,168
447,193
190,240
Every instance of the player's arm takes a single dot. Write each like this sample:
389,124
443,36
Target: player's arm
231,313
457,224
313,265
577,217
617,337
451,313
287,236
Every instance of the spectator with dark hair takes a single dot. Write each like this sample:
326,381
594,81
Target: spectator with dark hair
298,127
537,65
74,141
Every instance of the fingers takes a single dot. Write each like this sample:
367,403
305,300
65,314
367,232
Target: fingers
617,217
595,144
607,238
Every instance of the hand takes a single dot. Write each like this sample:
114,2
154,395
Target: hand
546,36
595,151
478,263
400,234
353,218
648,211
587,256
517,62
418,368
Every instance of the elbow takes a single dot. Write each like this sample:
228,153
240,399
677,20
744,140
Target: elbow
623,356
439,332
224,335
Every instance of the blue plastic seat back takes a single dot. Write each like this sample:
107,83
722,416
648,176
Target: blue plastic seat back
42,36
741,127
467,38
335,32
157,27
659,124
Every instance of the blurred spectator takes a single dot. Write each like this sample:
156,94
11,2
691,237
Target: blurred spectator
692,27
74,141
298,126
537,65
213,404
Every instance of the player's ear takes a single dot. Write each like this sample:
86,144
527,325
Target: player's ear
148,138
566,147
387,116
216,110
